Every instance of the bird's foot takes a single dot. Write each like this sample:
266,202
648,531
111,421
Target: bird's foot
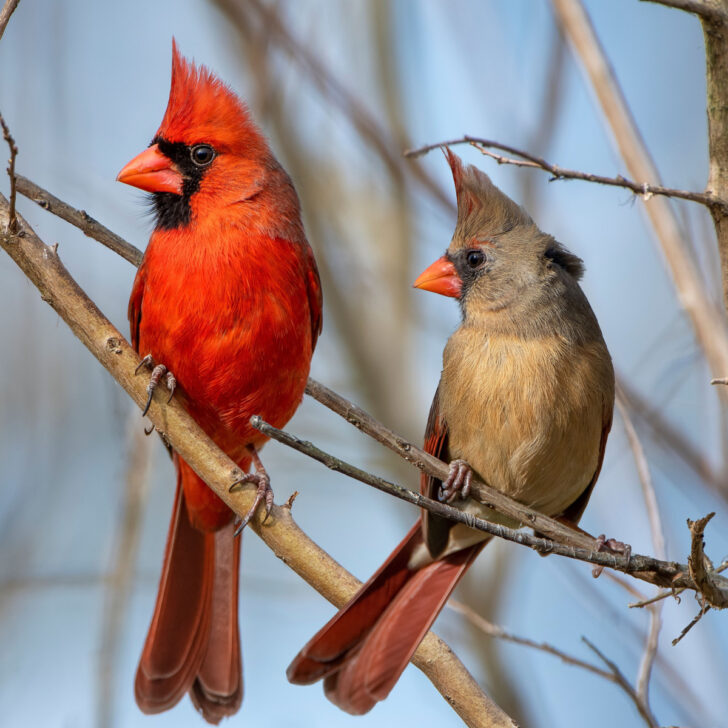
457,482
158,372
612,546
263,493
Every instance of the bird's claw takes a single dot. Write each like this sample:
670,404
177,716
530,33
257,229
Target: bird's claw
263,493
457,483
158,372
611,545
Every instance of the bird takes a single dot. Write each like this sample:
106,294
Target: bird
525,401
226,308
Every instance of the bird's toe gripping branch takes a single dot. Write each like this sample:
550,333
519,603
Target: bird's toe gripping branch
613,546
158,372
457,482
264,492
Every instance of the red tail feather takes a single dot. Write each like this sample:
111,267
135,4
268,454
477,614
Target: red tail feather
193,642
364,649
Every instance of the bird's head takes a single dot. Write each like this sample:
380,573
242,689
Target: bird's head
207,150
497,257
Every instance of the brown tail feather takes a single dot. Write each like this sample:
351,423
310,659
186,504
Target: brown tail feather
193,642
364,649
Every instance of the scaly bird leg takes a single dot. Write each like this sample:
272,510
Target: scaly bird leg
157,373
262,480
457,482
613,546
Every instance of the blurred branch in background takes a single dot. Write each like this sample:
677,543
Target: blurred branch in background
120,579
708,322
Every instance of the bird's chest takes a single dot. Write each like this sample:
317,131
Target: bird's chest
236,335
525,414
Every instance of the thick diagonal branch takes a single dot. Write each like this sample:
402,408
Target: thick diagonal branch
43,267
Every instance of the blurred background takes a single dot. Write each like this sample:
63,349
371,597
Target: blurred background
341,89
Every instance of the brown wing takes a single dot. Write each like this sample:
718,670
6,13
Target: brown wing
434,528
575,511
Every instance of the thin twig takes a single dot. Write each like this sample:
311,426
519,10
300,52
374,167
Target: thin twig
621,680
635,564
644,189
12,217
704,9
80,219
5,13
494,630
703,610
429,464
720,380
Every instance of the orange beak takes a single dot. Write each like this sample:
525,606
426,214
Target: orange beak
152,171
441,277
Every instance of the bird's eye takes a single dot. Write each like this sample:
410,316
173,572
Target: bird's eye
475,258
202,154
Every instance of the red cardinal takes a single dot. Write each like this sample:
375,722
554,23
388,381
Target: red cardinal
227,304
525,399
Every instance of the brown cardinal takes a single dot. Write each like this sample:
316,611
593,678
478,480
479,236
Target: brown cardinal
227,307
525,400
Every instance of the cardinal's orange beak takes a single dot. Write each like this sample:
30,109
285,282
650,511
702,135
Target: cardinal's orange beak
441,277
152,171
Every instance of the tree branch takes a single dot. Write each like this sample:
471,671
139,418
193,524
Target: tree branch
702,8
43,267
644,189
645,568
12,218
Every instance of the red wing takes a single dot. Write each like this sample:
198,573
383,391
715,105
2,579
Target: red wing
435,529
315,298
135,306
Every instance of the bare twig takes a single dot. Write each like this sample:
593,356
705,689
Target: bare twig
12,217
645,568
622,681
720,380
45,270
5,13
705,9
644,189
80,219
697,562
707,320
613,674
494,630
703,610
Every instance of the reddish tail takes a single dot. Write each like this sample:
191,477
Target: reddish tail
364,649
193,642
